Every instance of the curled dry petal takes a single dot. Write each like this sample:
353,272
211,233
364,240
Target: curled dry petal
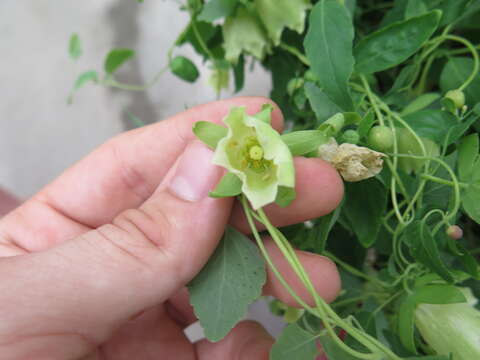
354,162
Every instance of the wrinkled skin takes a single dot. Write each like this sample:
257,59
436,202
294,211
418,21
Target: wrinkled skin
94,266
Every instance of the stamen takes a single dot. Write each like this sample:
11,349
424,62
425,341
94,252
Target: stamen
256,153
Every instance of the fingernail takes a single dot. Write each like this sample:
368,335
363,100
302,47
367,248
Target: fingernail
195,175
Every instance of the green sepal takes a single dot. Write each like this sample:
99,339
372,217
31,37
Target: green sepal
333,125
209,133
229,185
285,196
304,141
265,114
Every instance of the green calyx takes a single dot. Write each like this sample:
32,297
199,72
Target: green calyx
255,152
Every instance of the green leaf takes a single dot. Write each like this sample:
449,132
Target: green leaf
229,185
285,196
454,74
405,321
403,79
135,120
431,124
467,156
209,133
75,47
366,123
424,248
184,68
325,225
208,33
415,8
438,294
332,350
420,103
328,47
294,343
395,43
231,280
304,141
243,33
116,58
279,14
429,357
471,201
452,11
239,74
83,78
457,131
321,104
365,204
217,9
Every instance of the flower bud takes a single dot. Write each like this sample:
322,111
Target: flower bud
310,76
455,232
351,137
451,329
294,84
457,96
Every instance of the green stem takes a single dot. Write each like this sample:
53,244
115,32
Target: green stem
371,98
264,252
295,52
326,313
456,185
116,84
349,301
473,51
461,51
201,42
353,270
442,181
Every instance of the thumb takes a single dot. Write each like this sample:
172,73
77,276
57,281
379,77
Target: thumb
93,283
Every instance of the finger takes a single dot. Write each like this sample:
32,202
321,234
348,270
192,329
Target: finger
319,190
180,309
101,279
247,341
322,272
150,336
8,202
120,175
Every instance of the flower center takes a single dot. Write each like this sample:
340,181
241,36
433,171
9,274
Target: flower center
256,153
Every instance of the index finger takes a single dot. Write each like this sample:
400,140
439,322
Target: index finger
119,175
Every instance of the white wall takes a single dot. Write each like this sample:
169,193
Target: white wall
39,134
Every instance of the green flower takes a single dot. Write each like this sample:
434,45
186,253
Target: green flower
255,152
451,328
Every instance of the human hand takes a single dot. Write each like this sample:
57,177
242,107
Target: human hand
95,265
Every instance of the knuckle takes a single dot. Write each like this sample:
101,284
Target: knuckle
147,227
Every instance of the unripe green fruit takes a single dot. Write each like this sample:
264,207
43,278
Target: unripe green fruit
293,85
310,76
184,68
351,136
457,96
380,138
